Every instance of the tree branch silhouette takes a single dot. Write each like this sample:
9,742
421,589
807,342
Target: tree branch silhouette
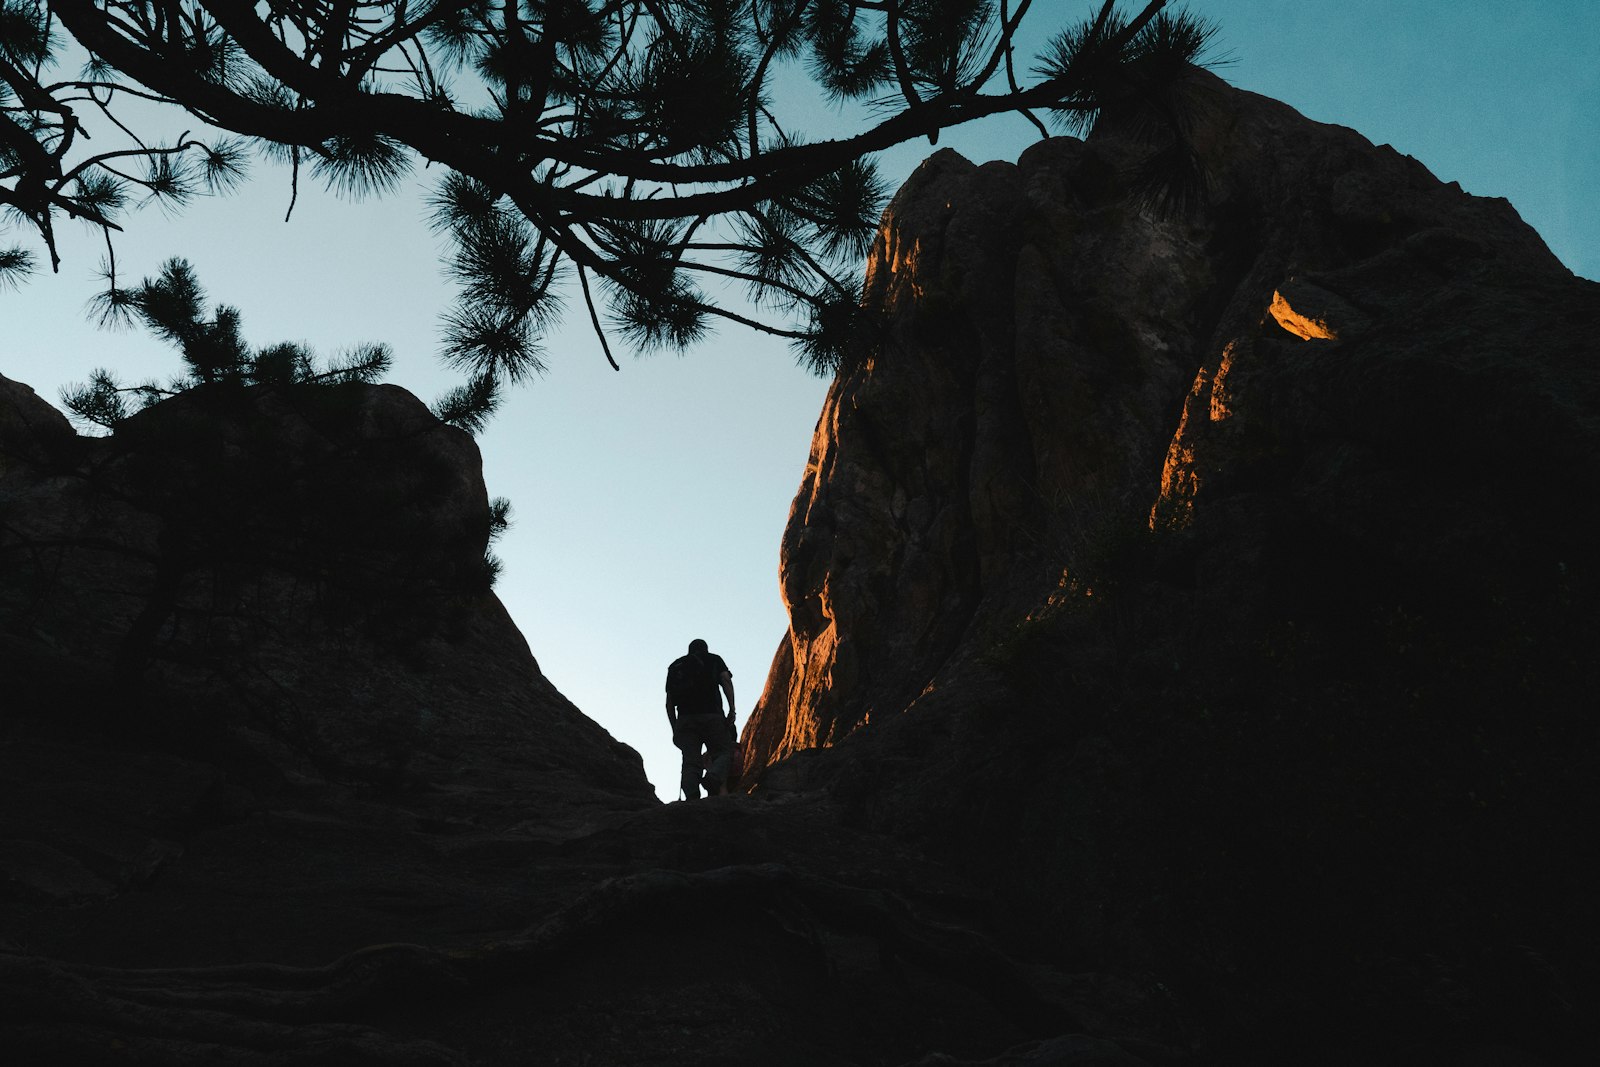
610,130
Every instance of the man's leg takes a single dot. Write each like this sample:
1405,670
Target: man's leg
719,747
689,778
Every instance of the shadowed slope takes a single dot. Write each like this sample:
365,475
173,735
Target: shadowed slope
1218,591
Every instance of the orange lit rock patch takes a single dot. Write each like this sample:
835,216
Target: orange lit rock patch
1219,385
897,256
1305,327
1180,481
1067,589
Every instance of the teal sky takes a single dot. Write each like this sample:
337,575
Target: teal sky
649,503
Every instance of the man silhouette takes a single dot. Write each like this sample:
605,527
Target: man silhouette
694,708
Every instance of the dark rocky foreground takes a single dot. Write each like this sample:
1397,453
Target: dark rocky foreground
281,783
1192,660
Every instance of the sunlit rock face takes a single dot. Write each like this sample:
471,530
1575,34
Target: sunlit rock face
1058,362
1174,570
1022,388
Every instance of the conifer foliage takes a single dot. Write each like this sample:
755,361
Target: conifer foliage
631,156
215,356
173,306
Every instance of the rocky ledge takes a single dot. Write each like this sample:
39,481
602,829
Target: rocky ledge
1191,661
1215,587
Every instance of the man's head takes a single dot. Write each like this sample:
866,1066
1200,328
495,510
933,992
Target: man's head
697,646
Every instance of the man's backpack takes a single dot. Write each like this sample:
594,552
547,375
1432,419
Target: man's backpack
692,684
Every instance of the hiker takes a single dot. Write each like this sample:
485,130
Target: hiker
694,708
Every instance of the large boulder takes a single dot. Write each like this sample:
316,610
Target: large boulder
244,599
1217,586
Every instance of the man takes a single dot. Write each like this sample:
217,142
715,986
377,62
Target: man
694,708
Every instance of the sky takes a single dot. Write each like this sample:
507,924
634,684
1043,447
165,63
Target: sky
648,505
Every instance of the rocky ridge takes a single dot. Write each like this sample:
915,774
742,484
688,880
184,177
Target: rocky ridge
272,605
1216,589
1190,658
281,783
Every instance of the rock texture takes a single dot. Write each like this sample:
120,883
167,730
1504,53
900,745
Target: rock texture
238,594
280,783
1218,589
1192,661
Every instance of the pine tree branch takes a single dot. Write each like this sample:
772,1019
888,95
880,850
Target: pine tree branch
897,54
579,154
594,316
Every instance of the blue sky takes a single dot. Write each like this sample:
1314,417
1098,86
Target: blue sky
649,503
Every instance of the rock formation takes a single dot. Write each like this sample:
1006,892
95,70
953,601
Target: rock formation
1191,661
236,593
280,783
1217,587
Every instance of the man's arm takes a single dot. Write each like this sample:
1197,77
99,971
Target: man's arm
726,681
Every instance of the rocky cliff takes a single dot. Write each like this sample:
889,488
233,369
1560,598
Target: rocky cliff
1216,587
1191,661
1058,361
242,593
281,783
